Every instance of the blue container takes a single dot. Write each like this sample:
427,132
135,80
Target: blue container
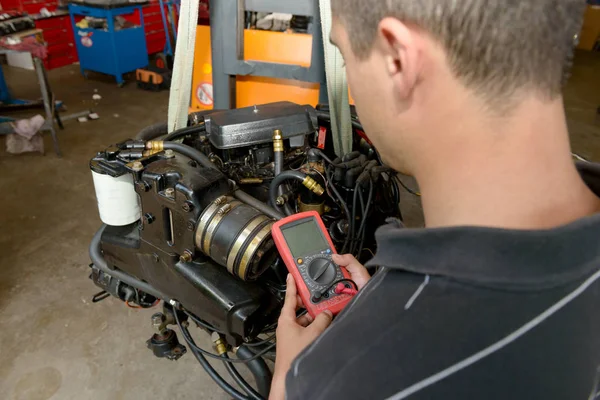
109,51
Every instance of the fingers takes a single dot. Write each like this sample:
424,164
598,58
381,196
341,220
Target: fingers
290,304
305,320
359,274
321,322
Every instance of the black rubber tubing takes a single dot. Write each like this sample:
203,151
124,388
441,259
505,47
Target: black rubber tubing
239,379
260,370
207,367
277,170
190,152
99,261
153,131
279,179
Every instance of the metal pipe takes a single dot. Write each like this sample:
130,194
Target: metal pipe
99,261
259,369
259,205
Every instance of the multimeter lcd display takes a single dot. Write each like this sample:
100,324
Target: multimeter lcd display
304,239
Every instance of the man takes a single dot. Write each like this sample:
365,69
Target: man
498,297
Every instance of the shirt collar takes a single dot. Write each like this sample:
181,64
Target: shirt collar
500,258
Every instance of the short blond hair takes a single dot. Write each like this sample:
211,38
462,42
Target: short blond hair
493,46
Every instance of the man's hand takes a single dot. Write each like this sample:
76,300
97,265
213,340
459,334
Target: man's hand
358,273
293,335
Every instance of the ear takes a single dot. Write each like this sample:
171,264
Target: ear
401,53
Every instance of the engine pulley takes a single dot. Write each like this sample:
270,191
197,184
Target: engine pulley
237,237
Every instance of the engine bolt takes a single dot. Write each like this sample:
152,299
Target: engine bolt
280,201
190,226
155,257
169,153
149,218
157,321
192,163
187,206
170,192
142,186
137,166
186,256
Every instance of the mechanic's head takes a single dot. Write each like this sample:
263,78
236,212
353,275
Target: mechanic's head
415,65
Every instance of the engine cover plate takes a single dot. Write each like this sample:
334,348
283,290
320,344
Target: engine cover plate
255,125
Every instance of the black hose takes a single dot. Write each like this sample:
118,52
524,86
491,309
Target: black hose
100,263
183,132
190,152
324,116
153,131
259,205
344,207
363,225
260,370
206,365
277,170
279,179
239,379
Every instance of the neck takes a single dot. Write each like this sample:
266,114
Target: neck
511,172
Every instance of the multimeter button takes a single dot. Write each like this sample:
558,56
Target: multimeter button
299,261
328,251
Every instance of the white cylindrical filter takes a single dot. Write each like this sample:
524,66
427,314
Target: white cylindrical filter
118,203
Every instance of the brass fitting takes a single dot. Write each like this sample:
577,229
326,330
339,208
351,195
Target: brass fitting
246,181
155,145
313,186
277,141
219,343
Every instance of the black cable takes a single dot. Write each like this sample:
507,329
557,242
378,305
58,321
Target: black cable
206,365
183,132
353,220
409,190
252,394
363,226
343,205
189,339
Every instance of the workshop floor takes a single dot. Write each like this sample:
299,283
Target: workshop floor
56,344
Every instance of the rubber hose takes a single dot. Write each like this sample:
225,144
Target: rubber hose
99,261
259,205
239,379
279,179
190,152
153,131
209,369
260,370
277,170
178,134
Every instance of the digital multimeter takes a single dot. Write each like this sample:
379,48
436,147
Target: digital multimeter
306,248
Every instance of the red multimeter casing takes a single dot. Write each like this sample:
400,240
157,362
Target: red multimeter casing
306,248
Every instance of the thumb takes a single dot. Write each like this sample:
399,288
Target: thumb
321,322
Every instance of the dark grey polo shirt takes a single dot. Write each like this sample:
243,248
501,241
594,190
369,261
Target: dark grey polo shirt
467,313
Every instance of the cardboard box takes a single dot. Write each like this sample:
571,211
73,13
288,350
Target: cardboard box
591,28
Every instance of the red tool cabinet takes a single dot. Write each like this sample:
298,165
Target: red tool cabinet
58,32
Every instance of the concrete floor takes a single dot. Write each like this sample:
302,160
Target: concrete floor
54,343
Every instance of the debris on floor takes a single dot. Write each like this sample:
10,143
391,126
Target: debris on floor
25,137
